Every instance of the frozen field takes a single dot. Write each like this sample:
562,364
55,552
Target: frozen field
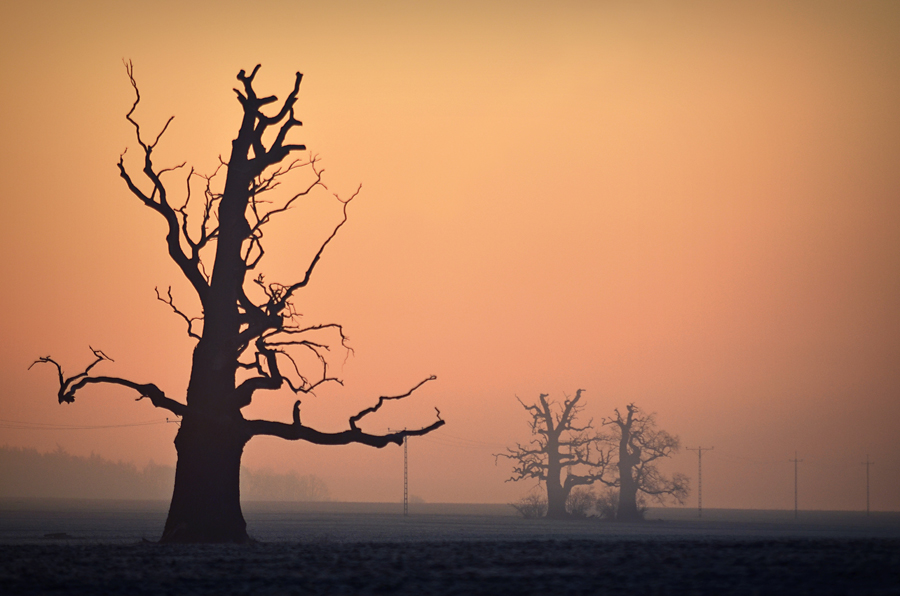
91,521
90,547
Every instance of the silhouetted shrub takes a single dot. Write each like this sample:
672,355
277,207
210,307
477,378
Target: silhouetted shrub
581,502
606,504
531,506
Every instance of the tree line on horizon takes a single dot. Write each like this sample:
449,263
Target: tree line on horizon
28,473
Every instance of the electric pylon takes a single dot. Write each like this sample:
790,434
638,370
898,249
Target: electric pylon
405,476
700,451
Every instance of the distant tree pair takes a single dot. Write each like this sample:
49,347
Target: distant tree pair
624,460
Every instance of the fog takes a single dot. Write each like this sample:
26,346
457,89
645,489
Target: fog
27,473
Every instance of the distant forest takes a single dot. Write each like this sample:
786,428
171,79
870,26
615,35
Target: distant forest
58,474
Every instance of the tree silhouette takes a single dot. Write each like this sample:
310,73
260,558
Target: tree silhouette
640,445
249,336
559,444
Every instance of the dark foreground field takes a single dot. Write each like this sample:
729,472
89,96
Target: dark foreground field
716,566
357,549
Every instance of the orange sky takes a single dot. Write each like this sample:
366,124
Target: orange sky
693,208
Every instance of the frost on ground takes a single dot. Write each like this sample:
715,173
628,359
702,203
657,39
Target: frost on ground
95,547
674,566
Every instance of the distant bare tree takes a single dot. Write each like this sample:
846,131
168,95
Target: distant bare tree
559,444
640,445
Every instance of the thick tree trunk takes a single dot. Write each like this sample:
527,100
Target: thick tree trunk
627,510
556,494
629,456
206,502
556,503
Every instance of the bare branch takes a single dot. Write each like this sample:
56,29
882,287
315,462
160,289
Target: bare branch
157,200
289,102
298,432
189,320
68,386
384,398
269,183
289,292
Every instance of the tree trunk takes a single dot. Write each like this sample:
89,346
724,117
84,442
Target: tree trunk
206,502
556,503
556,494
627,510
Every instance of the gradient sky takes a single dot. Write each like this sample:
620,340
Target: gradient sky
694,208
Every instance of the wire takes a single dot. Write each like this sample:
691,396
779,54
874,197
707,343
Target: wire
22,425
448,440
472,441
450,444
757,462
815,463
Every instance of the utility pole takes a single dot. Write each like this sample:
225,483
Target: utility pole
867,463
405,476
700,451
796,461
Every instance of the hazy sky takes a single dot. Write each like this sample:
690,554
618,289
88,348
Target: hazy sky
692,207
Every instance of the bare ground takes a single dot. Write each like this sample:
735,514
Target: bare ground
674,566
96,548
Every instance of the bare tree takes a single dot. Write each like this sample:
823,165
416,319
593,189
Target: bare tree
248,336
640,445
559,444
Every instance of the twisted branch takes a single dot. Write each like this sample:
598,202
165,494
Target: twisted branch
297,431
69,386
158,198
189,320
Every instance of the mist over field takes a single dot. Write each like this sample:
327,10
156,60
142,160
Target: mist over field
28,473
351,548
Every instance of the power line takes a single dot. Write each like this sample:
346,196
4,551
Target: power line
454,441
700,451
796,461
751,460
22,425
